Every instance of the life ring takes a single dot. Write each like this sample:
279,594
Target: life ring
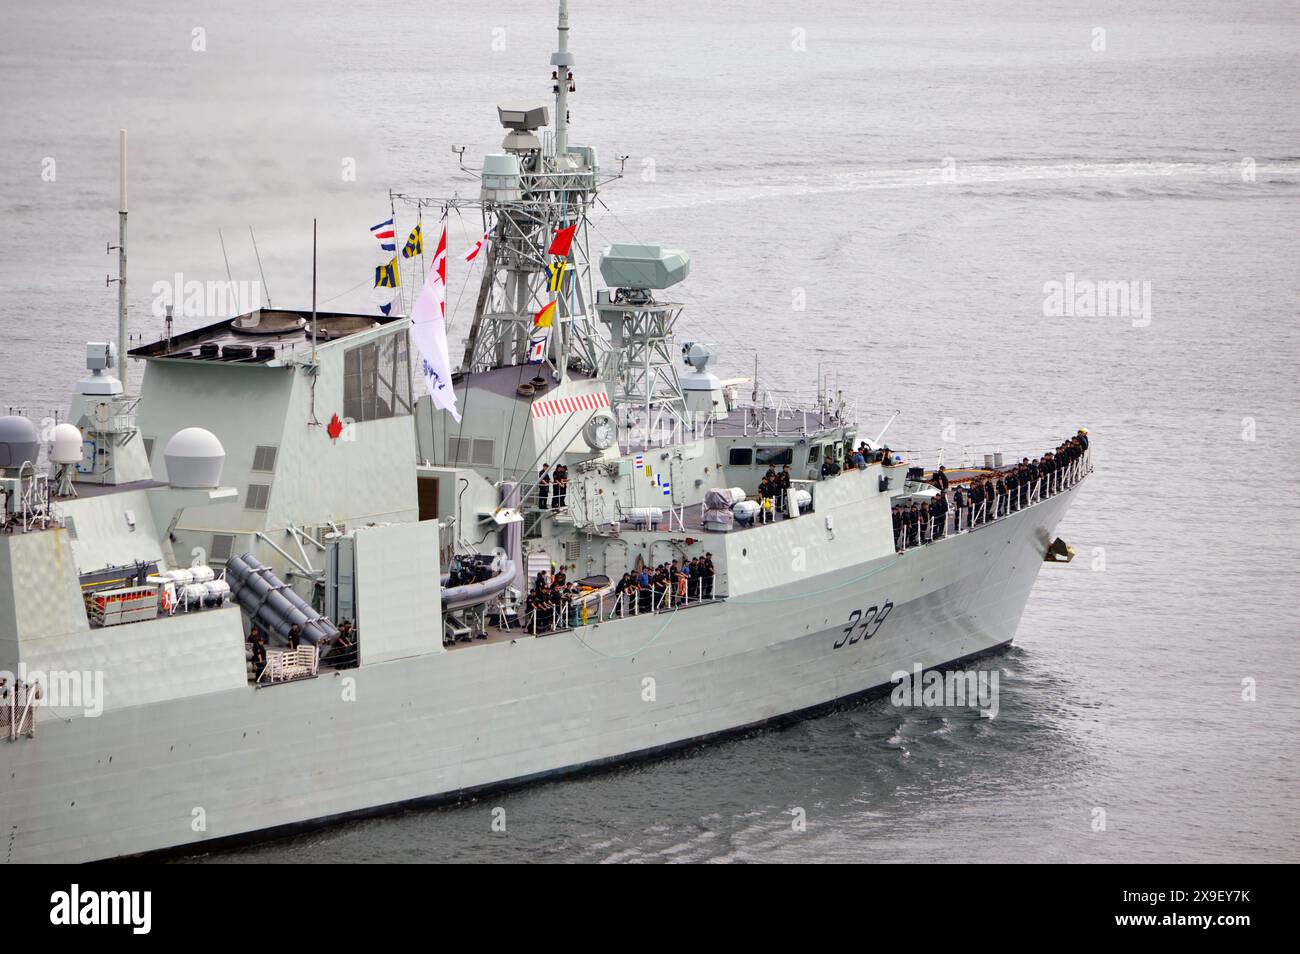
102,413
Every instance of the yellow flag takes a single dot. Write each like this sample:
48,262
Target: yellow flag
544,317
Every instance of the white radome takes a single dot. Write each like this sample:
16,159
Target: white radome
194,458
65,447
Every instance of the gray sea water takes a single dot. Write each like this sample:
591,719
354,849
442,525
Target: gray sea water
919,172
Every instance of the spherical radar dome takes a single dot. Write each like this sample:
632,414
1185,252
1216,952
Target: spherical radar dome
18,441
65,448
194,458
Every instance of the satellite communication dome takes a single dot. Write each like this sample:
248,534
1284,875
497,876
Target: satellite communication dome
18,441
65,448
194,458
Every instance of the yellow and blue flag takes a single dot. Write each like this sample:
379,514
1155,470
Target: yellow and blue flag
557,275
414,245
387,276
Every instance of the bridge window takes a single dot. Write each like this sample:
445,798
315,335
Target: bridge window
741,457
774,455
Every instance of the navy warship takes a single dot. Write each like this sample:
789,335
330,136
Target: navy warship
277,587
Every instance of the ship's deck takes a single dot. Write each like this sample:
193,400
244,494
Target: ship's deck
691,518
497,634
771,424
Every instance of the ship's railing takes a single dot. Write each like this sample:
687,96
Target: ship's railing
122,413
611,606
972,516
18,709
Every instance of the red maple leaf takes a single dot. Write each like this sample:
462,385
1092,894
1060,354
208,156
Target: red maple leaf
335,428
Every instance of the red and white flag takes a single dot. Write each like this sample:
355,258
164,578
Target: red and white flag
471,253
429,332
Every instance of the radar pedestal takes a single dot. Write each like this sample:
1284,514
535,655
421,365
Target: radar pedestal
640,370
112,448
701,388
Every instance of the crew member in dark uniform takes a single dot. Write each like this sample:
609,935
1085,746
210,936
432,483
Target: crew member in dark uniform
561,487
939,510
543,487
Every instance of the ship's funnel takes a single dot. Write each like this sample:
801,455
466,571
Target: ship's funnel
194,458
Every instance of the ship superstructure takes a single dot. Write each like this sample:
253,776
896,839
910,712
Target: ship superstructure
445,607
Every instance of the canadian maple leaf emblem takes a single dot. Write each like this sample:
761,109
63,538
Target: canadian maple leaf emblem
334,428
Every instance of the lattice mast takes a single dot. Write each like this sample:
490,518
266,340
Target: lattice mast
529,191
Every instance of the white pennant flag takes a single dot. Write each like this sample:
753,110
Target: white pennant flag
429,332
471,253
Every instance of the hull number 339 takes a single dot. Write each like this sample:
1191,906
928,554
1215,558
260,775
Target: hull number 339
863,624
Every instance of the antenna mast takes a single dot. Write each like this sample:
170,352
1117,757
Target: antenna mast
530,190
562,60
121,263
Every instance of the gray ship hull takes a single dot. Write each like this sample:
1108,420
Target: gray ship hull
234,763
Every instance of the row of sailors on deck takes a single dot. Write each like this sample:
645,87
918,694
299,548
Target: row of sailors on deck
855,459
550,602
553,484
553,601
986,498
668,584
774,486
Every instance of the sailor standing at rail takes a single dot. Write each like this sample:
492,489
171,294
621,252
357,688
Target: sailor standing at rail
561,487
543,487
